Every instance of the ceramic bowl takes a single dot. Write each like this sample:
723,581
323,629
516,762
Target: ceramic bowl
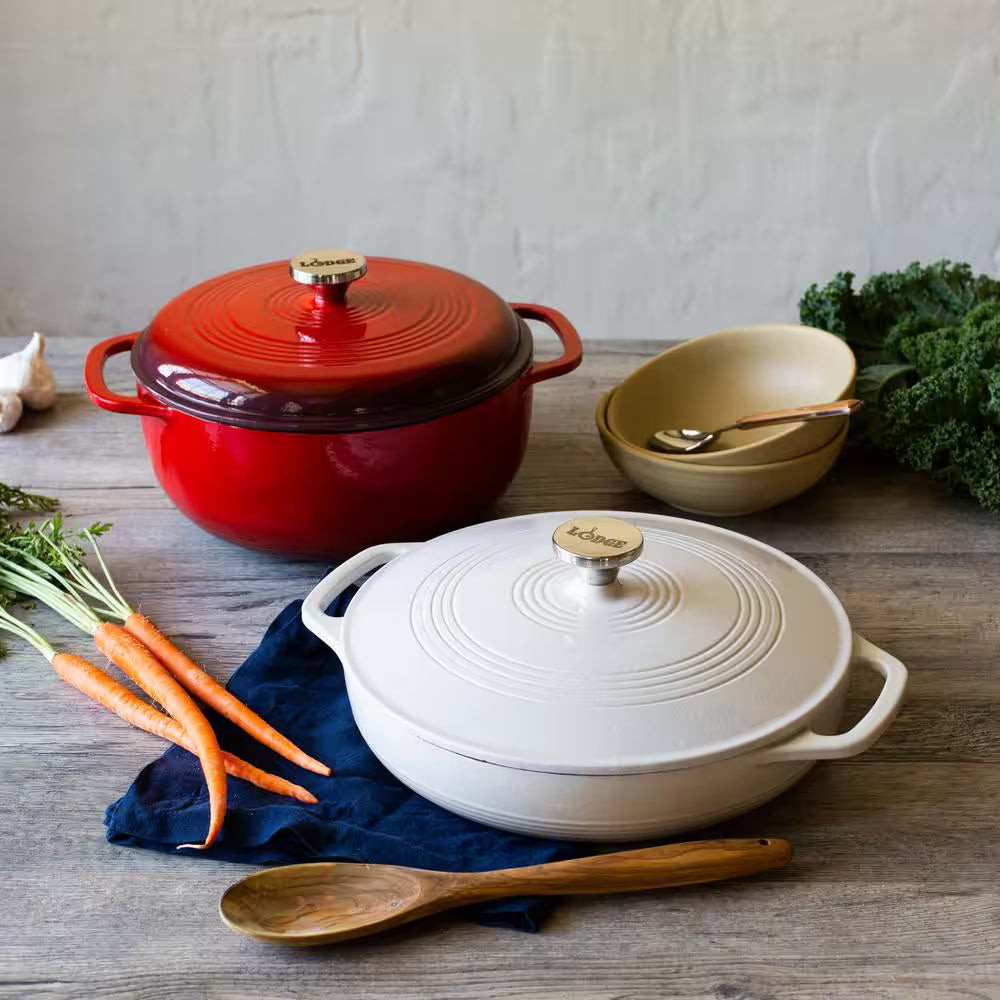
717,490
712,380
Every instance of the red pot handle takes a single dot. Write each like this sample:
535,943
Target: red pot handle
97,388
572,348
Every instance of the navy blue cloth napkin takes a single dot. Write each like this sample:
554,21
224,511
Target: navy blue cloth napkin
364,814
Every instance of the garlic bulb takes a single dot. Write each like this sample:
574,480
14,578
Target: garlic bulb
26,373
10,411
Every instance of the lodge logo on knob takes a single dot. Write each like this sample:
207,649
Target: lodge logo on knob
316,262
592,535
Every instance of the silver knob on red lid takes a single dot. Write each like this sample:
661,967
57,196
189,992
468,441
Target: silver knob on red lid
597,546
327,267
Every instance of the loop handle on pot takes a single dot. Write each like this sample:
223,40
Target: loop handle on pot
314,607
813,746
97,388
564,330
597,546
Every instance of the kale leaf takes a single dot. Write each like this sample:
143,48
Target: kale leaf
927,340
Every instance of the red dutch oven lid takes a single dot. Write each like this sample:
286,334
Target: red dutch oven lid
331,342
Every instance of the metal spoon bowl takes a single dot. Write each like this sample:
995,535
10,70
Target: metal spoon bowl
685,440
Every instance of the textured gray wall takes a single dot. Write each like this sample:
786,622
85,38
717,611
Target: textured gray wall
652,168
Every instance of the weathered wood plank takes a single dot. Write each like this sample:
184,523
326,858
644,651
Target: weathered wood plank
895,886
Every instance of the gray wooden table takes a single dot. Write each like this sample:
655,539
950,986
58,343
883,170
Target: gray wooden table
895,888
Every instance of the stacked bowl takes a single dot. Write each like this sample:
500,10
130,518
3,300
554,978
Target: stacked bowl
712,381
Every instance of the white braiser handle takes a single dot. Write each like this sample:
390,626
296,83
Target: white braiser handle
314,607
808,745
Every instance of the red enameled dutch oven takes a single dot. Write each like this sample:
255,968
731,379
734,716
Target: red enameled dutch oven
317,407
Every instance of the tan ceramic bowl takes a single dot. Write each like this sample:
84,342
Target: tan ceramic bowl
712,380
717,490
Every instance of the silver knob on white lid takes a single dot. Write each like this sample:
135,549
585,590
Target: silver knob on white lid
597,546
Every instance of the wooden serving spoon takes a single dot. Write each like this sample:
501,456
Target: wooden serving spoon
326,902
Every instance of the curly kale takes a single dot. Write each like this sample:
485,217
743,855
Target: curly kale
922,297
927,341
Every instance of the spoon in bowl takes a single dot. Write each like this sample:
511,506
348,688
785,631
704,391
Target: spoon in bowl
322,903
684,440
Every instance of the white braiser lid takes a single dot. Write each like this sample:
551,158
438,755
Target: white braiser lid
613,647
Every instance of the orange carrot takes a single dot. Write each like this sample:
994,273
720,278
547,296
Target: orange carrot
147,671
202,684
68,593
97,685
240,768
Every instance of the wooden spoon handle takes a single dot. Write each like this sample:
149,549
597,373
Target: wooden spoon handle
813,411
630,871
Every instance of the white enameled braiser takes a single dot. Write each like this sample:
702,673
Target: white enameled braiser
597,675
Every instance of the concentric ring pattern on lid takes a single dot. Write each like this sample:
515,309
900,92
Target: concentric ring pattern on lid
704,645
331,342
